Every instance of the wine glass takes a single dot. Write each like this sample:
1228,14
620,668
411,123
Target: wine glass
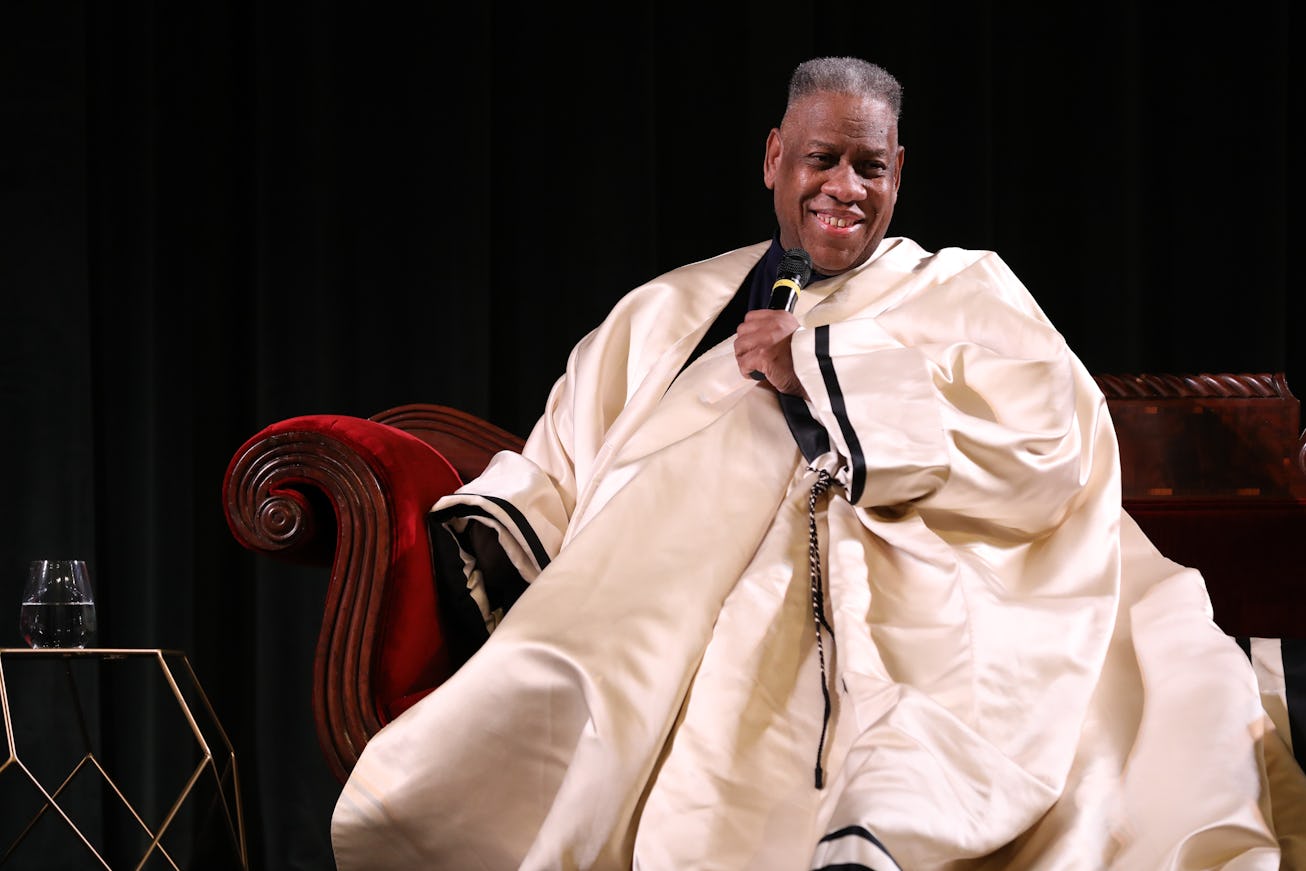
58,607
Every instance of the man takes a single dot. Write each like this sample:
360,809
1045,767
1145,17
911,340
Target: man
850,588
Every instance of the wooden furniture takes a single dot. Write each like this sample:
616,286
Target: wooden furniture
352,494
1212,469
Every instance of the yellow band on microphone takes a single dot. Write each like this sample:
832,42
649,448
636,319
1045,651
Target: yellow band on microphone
789,283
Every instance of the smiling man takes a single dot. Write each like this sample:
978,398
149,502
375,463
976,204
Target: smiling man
834,165
877,607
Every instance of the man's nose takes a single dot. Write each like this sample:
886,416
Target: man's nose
844,184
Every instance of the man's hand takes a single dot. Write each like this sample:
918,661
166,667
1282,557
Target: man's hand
762,344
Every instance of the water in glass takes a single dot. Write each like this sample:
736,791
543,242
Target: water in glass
58,609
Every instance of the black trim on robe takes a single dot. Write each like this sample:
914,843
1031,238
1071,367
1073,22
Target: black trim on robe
812,438
863,834
840,408
461,621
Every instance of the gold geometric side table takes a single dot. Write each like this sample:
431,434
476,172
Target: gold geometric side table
58,778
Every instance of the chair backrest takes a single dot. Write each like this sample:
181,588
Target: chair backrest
466,441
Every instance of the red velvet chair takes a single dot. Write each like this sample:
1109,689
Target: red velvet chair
352,494
1213,472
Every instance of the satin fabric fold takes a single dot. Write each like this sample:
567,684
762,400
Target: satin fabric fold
1011,663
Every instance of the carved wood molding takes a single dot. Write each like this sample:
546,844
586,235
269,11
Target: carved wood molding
465,440
1259,411
1224,385
424,417
296,495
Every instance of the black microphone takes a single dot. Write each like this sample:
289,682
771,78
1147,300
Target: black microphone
794,273
790,279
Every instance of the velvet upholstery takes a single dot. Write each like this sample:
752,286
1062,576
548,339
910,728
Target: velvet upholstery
353,493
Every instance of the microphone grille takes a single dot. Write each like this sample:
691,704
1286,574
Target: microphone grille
798,263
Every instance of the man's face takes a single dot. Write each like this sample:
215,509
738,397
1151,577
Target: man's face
834,165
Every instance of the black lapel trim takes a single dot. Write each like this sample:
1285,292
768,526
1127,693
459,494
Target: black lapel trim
812,438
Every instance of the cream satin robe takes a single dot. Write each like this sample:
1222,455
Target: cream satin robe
1017,678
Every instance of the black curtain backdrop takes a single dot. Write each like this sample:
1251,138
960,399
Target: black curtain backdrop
218,215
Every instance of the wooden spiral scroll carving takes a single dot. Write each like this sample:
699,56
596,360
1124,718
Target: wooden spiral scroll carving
299,496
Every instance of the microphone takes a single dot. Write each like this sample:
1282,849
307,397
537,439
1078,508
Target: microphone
794,273
790,279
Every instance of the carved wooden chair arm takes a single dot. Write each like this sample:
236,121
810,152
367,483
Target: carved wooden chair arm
353,493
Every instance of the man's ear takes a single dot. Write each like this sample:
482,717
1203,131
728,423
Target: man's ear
771,160
897,175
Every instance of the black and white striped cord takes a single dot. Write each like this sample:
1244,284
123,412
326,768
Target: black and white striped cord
819,488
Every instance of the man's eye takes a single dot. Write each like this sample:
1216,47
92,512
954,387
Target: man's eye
821,159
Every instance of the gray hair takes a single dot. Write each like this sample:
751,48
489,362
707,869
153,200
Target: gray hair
845,75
